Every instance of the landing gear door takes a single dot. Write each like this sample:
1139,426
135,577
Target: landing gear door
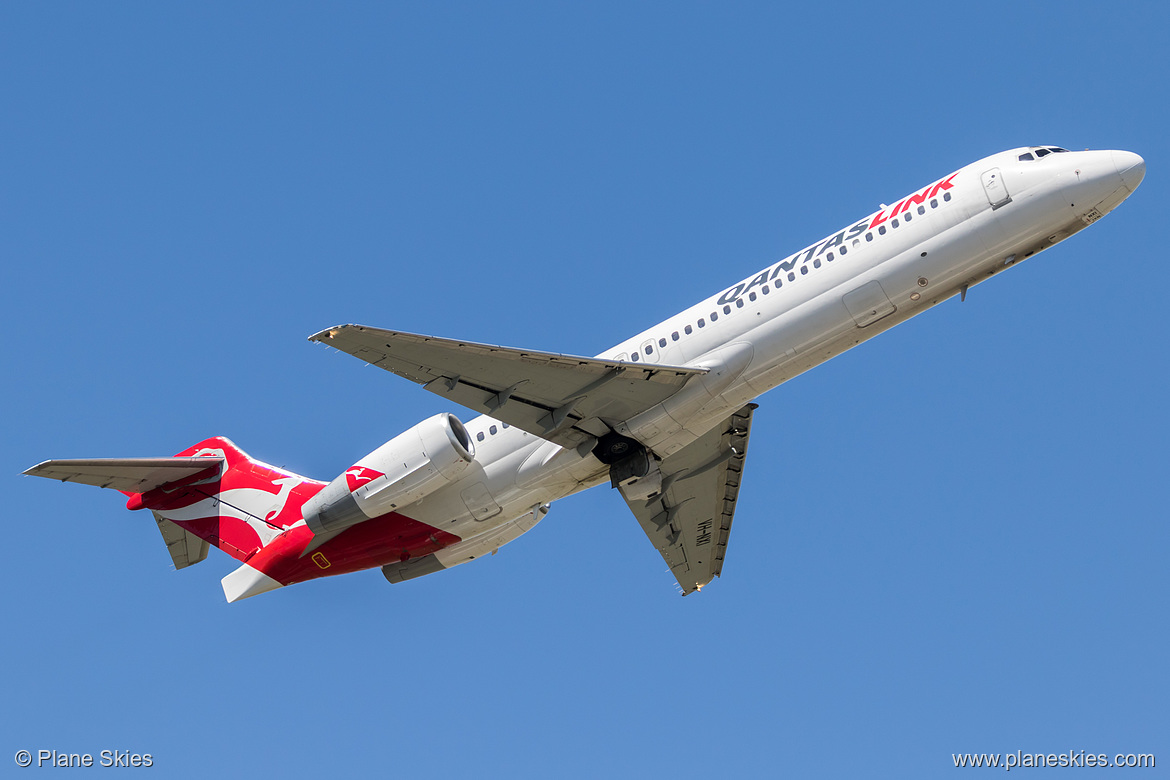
993,185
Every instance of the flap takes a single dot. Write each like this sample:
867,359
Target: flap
130,475
689,522
562,398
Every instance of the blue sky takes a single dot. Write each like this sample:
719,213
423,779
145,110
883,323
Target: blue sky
952,539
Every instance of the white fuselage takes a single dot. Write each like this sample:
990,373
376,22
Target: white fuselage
798,313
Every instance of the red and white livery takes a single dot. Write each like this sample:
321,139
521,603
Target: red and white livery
665,416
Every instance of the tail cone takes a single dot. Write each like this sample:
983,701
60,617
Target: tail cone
246,581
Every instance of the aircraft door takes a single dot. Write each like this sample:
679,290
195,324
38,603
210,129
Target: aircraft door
993,185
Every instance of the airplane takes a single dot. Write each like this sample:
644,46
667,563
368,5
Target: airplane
664,417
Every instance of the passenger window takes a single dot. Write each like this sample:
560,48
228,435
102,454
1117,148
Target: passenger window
869,236
633,357
505,426
766,291
908,216
804,269
688,330
946,196
751,296
479,436
492,430
674,336
649,349
934,203
715,315
739,303
921,210
856,242
661,343
844,250
894,223
726,310
817,262
882,230
791,277
701,323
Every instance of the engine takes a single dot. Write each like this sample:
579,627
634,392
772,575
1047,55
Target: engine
403,470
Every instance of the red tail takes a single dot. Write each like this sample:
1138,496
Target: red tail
239,509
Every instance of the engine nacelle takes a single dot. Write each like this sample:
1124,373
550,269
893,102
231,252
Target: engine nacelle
405,469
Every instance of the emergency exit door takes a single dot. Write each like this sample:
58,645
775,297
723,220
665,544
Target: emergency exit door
993,185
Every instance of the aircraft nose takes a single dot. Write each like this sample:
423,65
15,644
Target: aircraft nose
1130,167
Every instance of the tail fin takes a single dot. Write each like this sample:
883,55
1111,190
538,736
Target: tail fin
239,508
212,493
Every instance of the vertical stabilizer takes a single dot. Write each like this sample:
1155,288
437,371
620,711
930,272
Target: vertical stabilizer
239,508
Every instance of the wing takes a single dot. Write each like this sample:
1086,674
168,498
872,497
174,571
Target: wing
563,398
689,522
130,475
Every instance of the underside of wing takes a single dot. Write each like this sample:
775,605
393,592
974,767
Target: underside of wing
130,475
689,522
565,399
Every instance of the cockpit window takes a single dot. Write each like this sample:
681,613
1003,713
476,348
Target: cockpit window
1040,151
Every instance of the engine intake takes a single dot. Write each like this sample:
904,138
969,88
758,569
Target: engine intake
405,469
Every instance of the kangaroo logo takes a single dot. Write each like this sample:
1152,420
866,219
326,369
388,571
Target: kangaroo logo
360,475
286,486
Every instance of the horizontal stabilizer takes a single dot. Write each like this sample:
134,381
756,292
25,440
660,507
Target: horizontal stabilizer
130,475
186,548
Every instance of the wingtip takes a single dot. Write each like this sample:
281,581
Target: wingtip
324,336
327,334
31,471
